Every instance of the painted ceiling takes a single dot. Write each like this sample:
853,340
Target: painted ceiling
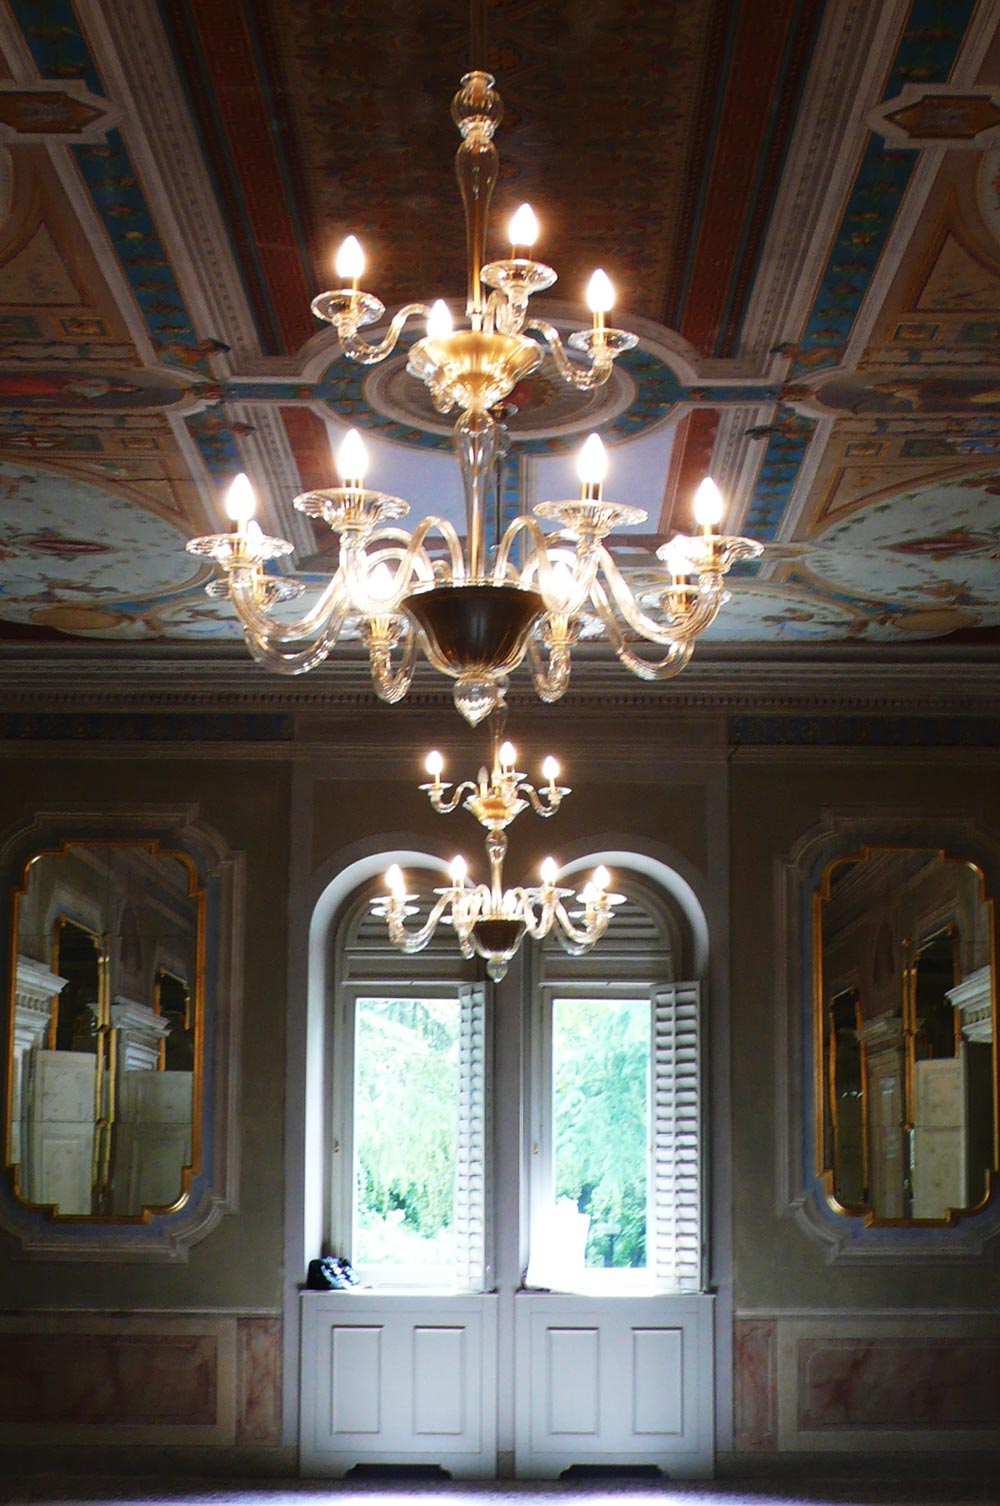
798,202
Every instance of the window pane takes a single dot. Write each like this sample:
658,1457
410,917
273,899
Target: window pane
600,1073
405,1132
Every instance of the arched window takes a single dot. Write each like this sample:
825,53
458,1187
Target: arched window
616,1108
408,1127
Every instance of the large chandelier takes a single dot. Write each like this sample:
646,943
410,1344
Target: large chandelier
489,920
476,615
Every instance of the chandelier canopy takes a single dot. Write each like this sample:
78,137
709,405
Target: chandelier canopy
475,613
489,920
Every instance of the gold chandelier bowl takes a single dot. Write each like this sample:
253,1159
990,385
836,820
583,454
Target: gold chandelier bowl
471,369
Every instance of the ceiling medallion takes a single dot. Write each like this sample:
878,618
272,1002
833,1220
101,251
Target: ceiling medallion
476,613
489,920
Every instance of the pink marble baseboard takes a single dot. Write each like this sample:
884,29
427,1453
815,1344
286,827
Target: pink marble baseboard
258,1380
755,1385
905,1383
128,1379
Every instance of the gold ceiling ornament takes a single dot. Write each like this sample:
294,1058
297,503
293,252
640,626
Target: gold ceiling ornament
489,920
476,616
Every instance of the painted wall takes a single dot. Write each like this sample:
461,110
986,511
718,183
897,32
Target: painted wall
816,1340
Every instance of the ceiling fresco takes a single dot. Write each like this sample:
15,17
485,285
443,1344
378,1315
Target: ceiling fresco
798,201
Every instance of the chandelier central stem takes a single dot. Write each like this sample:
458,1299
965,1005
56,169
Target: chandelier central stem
477,111
476,442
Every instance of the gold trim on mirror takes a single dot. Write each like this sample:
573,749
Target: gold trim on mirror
926,1151
120,1161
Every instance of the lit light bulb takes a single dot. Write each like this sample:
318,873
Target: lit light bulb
676,555
523,228
560,585
241,504
350,261
600,293
508,755
381,586
550,769
592,461
254,532
352,459
434,764
549,871
395,882
458,870
439,321
708,504
601,879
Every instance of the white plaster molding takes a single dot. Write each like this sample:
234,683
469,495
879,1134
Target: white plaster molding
270,461
36,984
973,998
851,56
133,54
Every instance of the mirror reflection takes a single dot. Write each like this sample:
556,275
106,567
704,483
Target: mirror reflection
906,1066
104,1055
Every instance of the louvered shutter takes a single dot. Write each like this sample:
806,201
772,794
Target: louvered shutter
470,1166
676,1200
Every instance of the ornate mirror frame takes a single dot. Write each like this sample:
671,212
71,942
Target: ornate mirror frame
216,882
803,1182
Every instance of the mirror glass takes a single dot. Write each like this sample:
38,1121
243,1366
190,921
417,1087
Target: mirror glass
905,1032
104,1058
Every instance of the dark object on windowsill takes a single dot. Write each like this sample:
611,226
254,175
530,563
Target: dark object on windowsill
331,1273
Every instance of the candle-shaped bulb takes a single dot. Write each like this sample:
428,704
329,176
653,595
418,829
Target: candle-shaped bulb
352,459
254,532
458,870
600,293
508,756
350,261
241,504
708,504
523,228
439,321
380,583
549,871
601,879
395,882
550,769
592,462
434,764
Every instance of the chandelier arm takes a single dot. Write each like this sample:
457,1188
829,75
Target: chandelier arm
661,669
712,596
391,685
551,683
288,662
538,805
445,807
369,355
537,928
415,941
626,603
586,377
540,562
415,550
258,621
578,941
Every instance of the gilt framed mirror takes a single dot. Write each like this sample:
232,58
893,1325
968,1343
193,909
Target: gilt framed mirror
907,1121
123,985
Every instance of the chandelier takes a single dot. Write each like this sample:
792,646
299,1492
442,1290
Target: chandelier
489,920
476,614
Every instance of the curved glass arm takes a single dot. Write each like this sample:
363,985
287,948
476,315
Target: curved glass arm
369,355
706,606
332,607
662,669
551,682
565,582
291,662
583,377
626,603
391,684
441,803
414,941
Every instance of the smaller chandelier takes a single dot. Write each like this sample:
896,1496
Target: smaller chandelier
489,920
